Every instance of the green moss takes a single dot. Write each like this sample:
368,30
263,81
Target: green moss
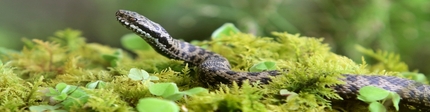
230,99
66,58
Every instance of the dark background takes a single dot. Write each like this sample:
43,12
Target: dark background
399,26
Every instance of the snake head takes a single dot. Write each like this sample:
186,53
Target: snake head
142,26
154,34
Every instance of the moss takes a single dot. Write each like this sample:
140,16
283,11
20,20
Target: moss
67,58
229,99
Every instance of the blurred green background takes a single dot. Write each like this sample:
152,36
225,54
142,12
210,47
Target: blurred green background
399,26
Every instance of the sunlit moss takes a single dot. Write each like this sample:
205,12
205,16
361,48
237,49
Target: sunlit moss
310,69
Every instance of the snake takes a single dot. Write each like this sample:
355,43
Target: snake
215,68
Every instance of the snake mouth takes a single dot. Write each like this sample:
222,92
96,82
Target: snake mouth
129,20
124,17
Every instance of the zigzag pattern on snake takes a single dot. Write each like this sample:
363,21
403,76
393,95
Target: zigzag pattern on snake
216,68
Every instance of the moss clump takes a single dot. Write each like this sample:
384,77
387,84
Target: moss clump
66,58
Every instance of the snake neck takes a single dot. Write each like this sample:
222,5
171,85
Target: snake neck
180,50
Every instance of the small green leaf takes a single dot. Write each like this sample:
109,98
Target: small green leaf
136,74
163,89
376,107
45,108
61,86
156,105
194,91
69,89
263,66
96,84
109,57
290,95
60,97
134,42
372,94
396,100
175,96
153,78
113,58
225,30
285,92
52,92
41,108
419,77
77,98
178,95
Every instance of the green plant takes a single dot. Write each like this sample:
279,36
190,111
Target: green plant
263,66
289,94
171,92
225,30
156,105
113,58
96,85
67,95
419,77
141,75
376,97
45,108
312,69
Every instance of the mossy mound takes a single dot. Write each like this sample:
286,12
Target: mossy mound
67,58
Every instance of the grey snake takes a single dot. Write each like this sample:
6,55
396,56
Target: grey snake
215,68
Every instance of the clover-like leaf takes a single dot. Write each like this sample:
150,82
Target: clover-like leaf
156,105
77,98
153,78
419,77
290,95
194,91
113,58
174,97
96,84
136,74
372,94
60,97
181,94
69,89
60,86
395,98
163,89
376,107
45,108
263,66
225,30
52,92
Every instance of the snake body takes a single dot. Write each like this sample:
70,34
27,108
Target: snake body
215,68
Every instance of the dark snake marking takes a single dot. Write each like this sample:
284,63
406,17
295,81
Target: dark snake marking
214,68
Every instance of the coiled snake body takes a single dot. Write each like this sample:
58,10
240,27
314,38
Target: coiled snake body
216,68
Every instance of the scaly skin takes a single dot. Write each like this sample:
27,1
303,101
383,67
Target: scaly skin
214,68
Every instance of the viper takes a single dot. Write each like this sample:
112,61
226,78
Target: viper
215,69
